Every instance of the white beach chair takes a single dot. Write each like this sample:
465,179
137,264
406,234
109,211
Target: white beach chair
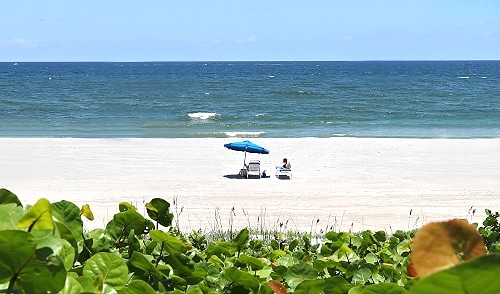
253,168
283,173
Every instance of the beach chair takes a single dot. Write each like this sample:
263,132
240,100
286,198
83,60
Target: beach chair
283,173
253,168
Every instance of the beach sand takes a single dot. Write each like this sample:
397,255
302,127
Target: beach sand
338,183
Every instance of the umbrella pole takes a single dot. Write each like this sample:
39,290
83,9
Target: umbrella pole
245,159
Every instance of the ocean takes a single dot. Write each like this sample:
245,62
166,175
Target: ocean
407,99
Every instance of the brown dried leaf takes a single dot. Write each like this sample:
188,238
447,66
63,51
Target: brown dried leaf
440,245
277,287
410,268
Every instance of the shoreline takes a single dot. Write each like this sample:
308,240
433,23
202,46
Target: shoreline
339,183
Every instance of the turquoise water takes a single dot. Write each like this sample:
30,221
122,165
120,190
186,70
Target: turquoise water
419,99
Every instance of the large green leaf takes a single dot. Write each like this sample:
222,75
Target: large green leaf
479,275
66,234
124,206
43,276
299,273
130,220
243,279
16,249
241,240
361,276
383,288
69,214
170,243
109,267
159,210
310,287
140,261
72,286
48,238
38,217
7,197
139,286
35,271
253,262
10,214
221,249
337,285
68,255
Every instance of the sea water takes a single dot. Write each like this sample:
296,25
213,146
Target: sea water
417,99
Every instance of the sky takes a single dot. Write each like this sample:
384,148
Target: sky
240,30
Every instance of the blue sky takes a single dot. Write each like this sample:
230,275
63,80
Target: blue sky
208,30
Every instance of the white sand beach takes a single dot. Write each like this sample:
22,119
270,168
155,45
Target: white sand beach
338,183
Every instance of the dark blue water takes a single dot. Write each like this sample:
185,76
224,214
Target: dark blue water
428,99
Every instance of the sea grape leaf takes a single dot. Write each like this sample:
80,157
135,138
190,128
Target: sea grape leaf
68,255
361,276
124,206
139,286
240,278
436,246
345,253
254,262
68,213
140,261
87,284
7,197
356,290
35,271
276,254
383,288
183,267
49,239
265,273
108,267
16,248
159,210
178,283
241,240
72,286
479,275
42,276
277,287
171,244
9,215
299,273
87,212
337,285
310,286
130,220
371,258
220,248
67,235
38,217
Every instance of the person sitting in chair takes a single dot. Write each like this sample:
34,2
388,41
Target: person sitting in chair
286,163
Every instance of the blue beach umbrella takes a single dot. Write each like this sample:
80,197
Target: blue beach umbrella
246,146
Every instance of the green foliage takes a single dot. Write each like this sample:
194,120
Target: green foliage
43,248
491,231
159,211
479,275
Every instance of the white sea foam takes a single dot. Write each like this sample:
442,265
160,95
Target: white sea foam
202,115
244,134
